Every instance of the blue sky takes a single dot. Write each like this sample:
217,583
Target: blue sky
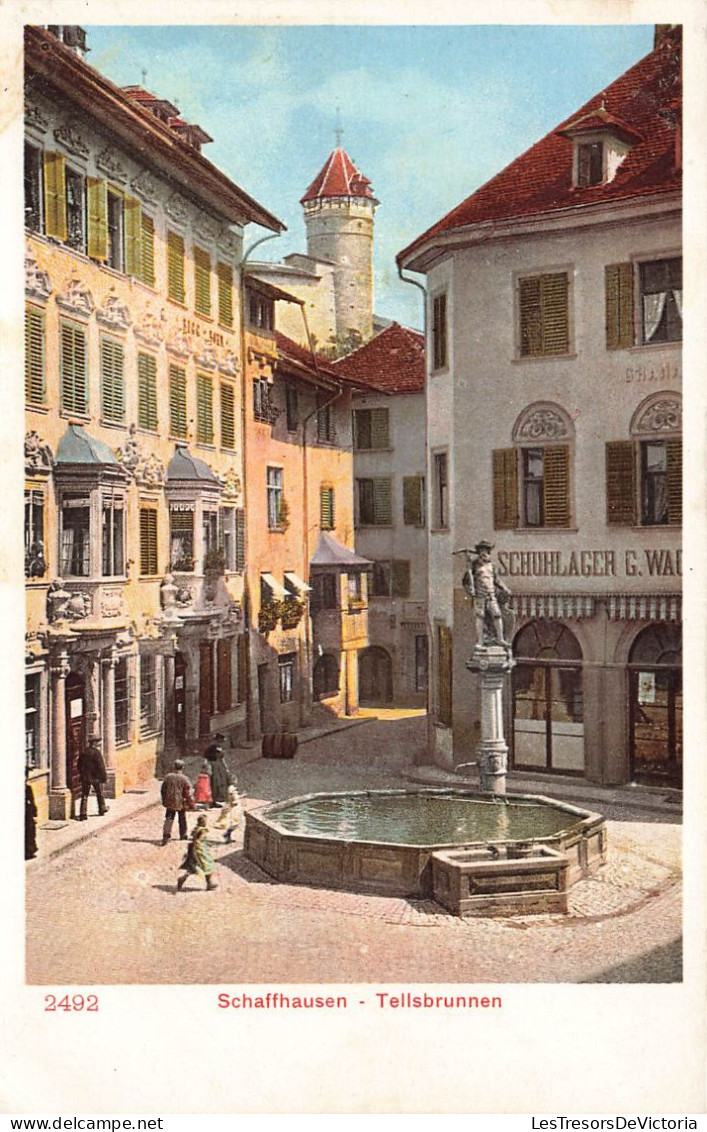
429,113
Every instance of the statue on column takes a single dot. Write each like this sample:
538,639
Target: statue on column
491,595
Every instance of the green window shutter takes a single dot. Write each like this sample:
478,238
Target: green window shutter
505,489
175,267
97,236
112,381
620,483
674,477
412,501
228,416
556,486
326,508
382,508
362,429
618,295
240,539
544,315
224,274
204,409
147,391
379,428
55,196
148,540
35,392
74,391
439,332
202,281
146,270
133,236
401,578
444,675
177,401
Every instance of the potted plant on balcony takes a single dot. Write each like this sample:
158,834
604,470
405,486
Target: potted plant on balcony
182,564
292,609
269,616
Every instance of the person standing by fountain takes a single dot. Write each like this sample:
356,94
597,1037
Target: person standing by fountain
198,861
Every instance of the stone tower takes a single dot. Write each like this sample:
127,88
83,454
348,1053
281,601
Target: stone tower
338,213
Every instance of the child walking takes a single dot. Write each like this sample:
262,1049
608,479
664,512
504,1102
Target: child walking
198,861
229,817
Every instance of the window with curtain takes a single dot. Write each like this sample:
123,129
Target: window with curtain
181,540
661,300
75,537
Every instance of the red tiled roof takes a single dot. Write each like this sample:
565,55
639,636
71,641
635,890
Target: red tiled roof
338,177
601,119
391,362
301,356
540,180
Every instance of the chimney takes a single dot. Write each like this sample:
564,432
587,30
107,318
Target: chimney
659,34
72,35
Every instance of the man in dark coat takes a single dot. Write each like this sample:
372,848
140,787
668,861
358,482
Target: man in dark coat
93,773
177,798
30,823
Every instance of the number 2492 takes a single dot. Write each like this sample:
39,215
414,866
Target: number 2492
75,1002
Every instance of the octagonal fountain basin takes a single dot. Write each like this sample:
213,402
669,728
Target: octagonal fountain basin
383,840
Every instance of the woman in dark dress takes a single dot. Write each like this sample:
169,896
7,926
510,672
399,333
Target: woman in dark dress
218,772
30,823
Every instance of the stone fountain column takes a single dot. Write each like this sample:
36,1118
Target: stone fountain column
493,663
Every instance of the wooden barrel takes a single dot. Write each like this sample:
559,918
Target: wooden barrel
289,745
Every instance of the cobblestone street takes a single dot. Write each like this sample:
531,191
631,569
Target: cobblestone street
110,908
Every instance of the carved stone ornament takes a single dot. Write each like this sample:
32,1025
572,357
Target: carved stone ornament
176,207
114,313
542,423
35,116
70,136
664,415
149,472
62,605
146,186
108,162
129,454
77,299
179,344
229,364
112,604
38,285
206,359
39,458
150,330
230,482
207,229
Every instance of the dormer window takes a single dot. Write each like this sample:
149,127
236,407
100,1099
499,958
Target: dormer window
590,164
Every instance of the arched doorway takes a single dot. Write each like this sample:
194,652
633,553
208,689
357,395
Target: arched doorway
325,678
548,709
655,697
75,731
375,676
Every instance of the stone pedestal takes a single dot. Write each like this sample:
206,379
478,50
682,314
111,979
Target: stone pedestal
493,663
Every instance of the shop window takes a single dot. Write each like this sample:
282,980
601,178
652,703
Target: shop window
177,401
149,696
543,305
181,539
286,670
548,705
374,502
35,553
656,706
122,702
371,428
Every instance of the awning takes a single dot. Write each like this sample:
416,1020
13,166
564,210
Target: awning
278,591
329,552
296,581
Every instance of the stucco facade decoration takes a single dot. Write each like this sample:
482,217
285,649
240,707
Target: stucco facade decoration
297,414
556,319
390,512
133,448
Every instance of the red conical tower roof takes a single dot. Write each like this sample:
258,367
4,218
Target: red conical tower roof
338,177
